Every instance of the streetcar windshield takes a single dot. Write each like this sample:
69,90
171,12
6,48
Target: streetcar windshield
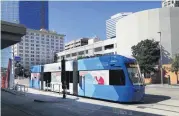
134,73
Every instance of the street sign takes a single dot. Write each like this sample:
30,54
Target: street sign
17,58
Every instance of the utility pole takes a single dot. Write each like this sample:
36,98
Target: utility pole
63,76
161,54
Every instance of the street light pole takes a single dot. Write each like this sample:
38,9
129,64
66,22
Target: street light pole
161,54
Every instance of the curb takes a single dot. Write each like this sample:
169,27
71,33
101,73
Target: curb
61,100
45,101
12,92
6,90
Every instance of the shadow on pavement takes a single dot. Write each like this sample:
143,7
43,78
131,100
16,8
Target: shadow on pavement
64,107
149,98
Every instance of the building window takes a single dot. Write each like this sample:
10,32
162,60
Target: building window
32,51
43,42
32,37
37,34
37,55
20,43
52,36
47,42
98,49
32,33
47,36
26,58
32,40
37,48
109,46
81,53
26,44
42,35
26,63
21,55
32,59
26,40
52,46
26,51
26,47
32,55
37,38
47,39
26,36
20,47
37,45
32,44
52,39
21,51
37,59
37,41
26,55
56,40
86,51
73,54
32,48
68,55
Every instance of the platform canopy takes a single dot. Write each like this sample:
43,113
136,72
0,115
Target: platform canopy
11,33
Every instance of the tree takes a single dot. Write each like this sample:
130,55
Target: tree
147,53
80,57
175,65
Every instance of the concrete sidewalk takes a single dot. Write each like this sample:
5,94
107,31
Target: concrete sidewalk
163,86
83,106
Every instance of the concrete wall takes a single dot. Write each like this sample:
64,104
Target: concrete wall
145,25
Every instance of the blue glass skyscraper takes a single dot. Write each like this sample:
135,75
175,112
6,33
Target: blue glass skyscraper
32,14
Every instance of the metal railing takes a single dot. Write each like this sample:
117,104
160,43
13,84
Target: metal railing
20,88
55,87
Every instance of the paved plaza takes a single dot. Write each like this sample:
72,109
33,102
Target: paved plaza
158,101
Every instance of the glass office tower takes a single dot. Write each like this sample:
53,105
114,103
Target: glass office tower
32,14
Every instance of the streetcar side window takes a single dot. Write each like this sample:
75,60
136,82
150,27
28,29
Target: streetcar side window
116,77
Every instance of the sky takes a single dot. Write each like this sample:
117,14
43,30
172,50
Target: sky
88,19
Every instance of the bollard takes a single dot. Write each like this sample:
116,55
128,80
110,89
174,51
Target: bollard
169,79
64,91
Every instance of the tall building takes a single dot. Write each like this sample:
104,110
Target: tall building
32,14
147,25
170,3
111,24
38,47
